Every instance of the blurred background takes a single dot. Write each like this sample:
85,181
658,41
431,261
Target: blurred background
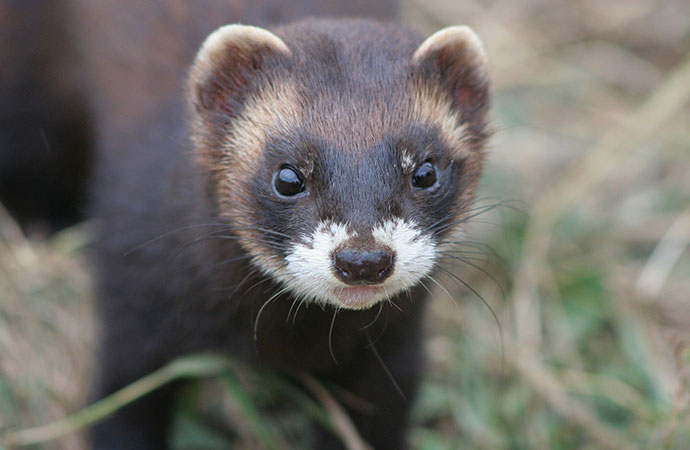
570,324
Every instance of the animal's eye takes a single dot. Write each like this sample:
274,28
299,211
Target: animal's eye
425,176
288,182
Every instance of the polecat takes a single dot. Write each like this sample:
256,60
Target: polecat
329,164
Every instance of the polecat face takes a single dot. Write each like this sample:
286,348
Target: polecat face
344,154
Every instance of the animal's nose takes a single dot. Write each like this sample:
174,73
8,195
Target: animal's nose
362,267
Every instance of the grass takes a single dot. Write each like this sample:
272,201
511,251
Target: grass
588,270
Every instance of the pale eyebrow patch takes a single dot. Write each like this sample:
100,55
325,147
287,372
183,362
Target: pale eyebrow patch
267,111
406,161
434,108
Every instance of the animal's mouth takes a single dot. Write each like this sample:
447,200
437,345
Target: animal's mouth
359,297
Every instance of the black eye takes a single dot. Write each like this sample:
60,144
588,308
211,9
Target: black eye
288,182
425,176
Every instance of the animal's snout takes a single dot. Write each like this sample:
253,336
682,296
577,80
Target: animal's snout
356,267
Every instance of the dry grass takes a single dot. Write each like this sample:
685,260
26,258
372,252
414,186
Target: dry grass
591,107
46,328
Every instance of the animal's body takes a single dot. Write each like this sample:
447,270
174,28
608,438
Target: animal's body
45,134
283,201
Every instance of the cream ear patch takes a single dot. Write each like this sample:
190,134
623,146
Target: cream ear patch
227,62
244,37
452,62
459,38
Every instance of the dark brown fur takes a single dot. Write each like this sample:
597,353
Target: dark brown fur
45,128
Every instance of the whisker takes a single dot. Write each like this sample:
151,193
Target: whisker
247,226
270,244
443,288
172,233
385,368
392,303
296,300
465,217
441,222
376,317
421,283
258,315
263,280
330,337
480,246
302,300
250,274
466,256
483,300
482,270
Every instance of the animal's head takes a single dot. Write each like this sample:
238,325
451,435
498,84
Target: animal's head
343,153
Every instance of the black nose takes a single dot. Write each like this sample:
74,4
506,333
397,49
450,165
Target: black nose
362,267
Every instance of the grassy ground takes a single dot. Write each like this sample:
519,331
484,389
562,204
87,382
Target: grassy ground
584,262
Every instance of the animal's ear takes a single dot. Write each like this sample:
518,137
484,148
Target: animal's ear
454,57
227,62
